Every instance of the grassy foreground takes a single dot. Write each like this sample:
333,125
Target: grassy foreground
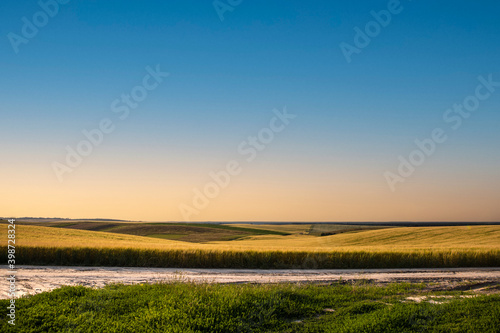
185,307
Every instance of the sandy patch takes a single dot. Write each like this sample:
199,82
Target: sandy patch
36,279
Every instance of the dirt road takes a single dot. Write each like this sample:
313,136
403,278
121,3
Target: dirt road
36,279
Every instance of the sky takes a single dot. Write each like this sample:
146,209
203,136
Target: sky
250,110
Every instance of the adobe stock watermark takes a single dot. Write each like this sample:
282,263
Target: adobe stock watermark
30,28
249,150
454,118
12,272
363,37
223,6
122,108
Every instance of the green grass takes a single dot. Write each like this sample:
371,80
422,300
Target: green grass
185,307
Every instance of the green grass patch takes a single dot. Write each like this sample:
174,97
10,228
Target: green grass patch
185,307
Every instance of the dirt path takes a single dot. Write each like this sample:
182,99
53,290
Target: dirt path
36,279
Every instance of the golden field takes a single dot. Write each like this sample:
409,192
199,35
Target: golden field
372,248
456,238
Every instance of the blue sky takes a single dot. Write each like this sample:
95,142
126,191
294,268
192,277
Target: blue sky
226,77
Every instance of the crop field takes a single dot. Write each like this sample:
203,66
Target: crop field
463,237
187,307
243,237
400,247
195,233
180,306
285,228
325,229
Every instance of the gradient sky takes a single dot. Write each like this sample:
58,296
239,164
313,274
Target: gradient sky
226,77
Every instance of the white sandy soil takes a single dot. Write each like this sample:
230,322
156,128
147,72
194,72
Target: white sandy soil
36,279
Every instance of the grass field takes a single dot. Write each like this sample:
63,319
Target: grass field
285,228
185,307
194,233
463,237
189,307
417,247
325,229
424,238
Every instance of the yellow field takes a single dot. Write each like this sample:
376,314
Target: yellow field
27,235
405,238
474,237
414,247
